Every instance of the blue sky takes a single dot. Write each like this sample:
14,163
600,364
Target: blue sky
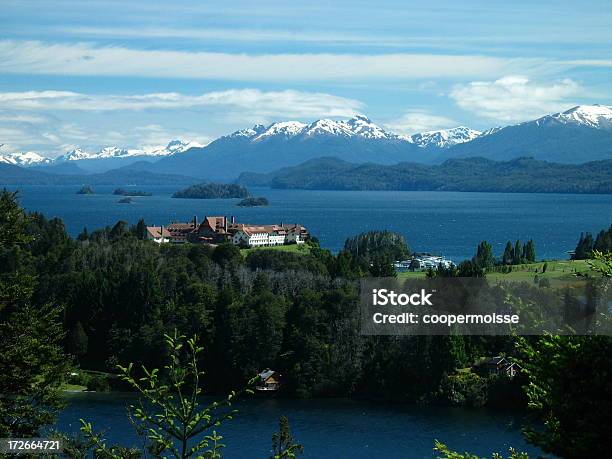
96,73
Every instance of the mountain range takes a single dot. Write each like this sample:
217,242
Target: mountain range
105,159
578,135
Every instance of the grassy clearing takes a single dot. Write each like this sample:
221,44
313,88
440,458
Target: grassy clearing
303,249
557,272
72,387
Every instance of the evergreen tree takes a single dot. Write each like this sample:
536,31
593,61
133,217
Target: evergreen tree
78,340
382,267
529,253
584,248
518,252
508,256
32,364
83,235
119,230
283,443
603,241
484,255
140,230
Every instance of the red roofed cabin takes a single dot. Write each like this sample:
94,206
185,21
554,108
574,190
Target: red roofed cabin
217,230
158,234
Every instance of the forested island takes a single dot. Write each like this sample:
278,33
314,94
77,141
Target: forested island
253,202
525,175
86,189
125,192
213,191
111,297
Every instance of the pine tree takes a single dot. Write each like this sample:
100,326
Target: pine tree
32,364
140,230
508,256
529,253
83,235
518,252
484,255
584,249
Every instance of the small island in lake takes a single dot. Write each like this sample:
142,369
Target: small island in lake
126,201
124,192
213,191
86,189
253,202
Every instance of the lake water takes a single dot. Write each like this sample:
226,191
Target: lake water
449,223
327,428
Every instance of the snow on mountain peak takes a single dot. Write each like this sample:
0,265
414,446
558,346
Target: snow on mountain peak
328,127
362,126
444,138
249,132
173,147
595,116
29,158
283,128
75,155
112,152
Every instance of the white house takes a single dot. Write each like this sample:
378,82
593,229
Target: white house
251,236
267,235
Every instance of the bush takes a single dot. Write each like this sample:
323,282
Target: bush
464,389
98,383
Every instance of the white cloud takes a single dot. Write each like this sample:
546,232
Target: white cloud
514,98
419,121
35,57
156,135
287,103
47,121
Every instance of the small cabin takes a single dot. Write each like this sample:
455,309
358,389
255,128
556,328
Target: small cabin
497,365
268,381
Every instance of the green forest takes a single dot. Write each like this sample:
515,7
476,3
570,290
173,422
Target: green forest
212,191
521,175
109,297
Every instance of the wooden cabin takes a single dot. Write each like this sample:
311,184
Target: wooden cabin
268,381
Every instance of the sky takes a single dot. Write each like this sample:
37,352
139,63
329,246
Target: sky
96,73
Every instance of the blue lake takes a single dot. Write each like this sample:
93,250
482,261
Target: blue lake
449,223
326,428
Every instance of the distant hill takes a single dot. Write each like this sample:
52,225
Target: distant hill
15,175
66,168
470,174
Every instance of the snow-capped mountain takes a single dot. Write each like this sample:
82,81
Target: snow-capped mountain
24,159
594,116
580,134
107,158
357,127
288,143
174,147
444,138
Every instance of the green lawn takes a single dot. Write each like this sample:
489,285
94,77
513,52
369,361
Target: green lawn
72,387
295,248
557,271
